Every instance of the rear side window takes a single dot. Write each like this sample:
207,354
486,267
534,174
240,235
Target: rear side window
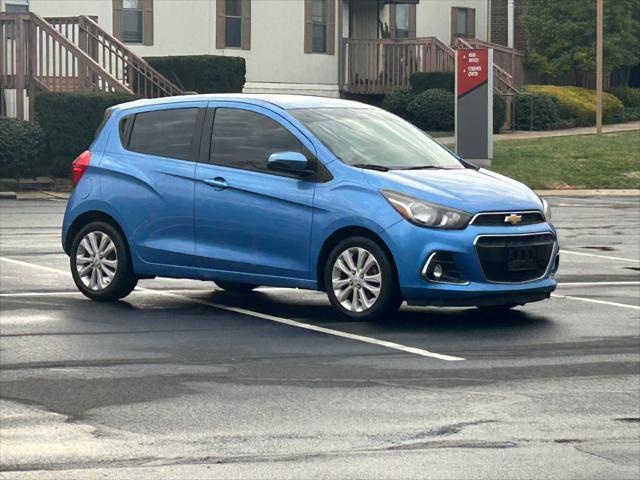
165,133
245,139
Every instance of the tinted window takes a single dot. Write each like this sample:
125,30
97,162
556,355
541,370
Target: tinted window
166,133
244,139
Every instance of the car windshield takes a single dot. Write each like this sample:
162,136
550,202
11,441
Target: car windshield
373,138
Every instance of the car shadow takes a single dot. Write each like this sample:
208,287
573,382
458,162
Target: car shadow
313,307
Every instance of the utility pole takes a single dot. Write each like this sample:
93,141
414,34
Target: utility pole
599,21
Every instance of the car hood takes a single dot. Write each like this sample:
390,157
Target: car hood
466,189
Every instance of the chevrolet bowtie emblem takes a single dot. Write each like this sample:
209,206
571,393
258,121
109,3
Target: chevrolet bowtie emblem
513,219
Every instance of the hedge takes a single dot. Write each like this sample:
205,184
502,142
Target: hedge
422,81
630,97
535,111
499,112
576,105
69,122
21,148
203,73
397,103
433,110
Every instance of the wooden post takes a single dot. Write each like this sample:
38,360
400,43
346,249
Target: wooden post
32,49
599,72
20,67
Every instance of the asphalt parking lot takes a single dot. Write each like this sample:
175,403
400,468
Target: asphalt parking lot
181,380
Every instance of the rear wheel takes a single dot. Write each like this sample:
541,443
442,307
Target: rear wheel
100,263
360,280
236,287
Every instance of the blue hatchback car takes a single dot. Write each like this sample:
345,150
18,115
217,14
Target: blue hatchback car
305,192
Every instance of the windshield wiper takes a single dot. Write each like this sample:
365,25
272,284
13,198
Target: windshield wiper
371,166
424,167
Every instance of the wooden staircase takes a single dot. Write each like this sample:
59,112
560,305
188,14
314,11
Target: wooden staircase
68,54
383,65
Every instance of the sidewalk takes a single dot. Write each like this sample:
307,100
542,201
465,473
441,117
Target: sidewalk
525,134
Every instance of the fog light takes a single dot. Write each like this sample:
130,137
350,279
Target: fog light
441,267
556,265
437,271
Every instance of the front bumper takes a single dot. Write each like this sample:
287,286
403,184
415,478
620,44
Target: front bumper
411,246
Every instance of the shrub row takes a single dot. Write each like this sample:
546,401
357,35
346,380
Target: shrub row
203,73
21,148
422,81
630,98
434,109
69,122
576,105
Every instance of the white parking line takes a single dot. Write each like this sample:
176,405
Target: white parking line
593,300
272,318
571,252
597,284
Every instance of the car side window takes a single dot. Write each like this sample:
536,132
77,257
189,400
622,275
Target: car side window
166,133
245,139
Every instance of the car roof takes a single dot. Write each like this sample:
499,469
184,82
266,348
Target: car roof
285,102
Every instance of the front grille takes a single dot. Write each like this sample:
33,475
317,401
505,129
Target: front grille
498,218
515,258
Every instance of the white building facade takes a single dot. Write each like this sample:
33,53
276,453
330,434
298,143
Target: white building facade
292,46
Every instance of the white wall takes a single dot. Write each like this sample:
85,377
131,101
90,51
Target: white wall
187,27
433,18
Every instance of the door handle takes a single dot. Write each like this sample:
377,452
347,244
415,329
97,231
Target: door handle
218,183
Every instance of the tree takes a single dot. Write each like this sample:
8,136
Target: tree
562,36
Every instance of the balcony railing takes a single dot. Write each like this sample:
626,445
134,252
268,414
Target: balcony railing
381,66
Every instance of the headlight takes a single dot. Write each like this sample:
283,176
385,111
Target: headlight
426,214
546,209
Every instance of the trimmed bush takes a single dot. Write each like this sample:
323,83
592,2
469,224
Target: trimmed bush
577,105
21,147
499,111
423,81
536,111
630,97
203,73
69,122
397,103
433,110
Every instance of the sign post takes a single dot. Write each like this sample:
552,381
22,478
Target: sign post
474,105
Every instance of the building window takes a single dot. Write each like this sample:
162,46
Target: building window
233,23
319,22
131,21
319,25
463,22
16,6
402,21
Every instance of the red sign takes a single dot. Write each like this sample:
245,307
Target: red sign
472,69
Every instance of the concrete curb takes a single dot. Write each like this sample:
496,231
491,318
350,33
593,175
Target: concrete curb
8,196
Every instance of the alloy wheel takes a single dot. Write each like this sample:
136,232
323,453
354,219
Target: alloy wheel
356,279
96,260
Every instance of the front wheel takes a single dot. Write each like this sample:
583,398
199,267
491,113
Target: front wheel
360,280
100,263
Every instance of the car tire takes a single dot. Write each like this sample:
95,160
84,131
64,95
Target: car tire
363,288
236,287
101,264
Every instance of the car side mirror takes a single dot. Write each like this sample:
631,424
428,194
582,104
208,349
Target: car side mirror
289,162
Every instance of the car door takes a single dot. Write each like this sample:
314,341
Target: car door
250,220
148,178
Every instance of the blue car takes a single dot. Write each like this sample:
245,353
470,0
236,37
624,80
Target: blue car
302,192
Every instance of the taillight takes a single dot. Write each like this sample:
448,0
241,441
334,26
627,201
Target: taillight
79,165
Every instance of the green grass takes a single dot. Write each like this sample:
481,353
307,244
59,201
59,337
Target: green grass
581,161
